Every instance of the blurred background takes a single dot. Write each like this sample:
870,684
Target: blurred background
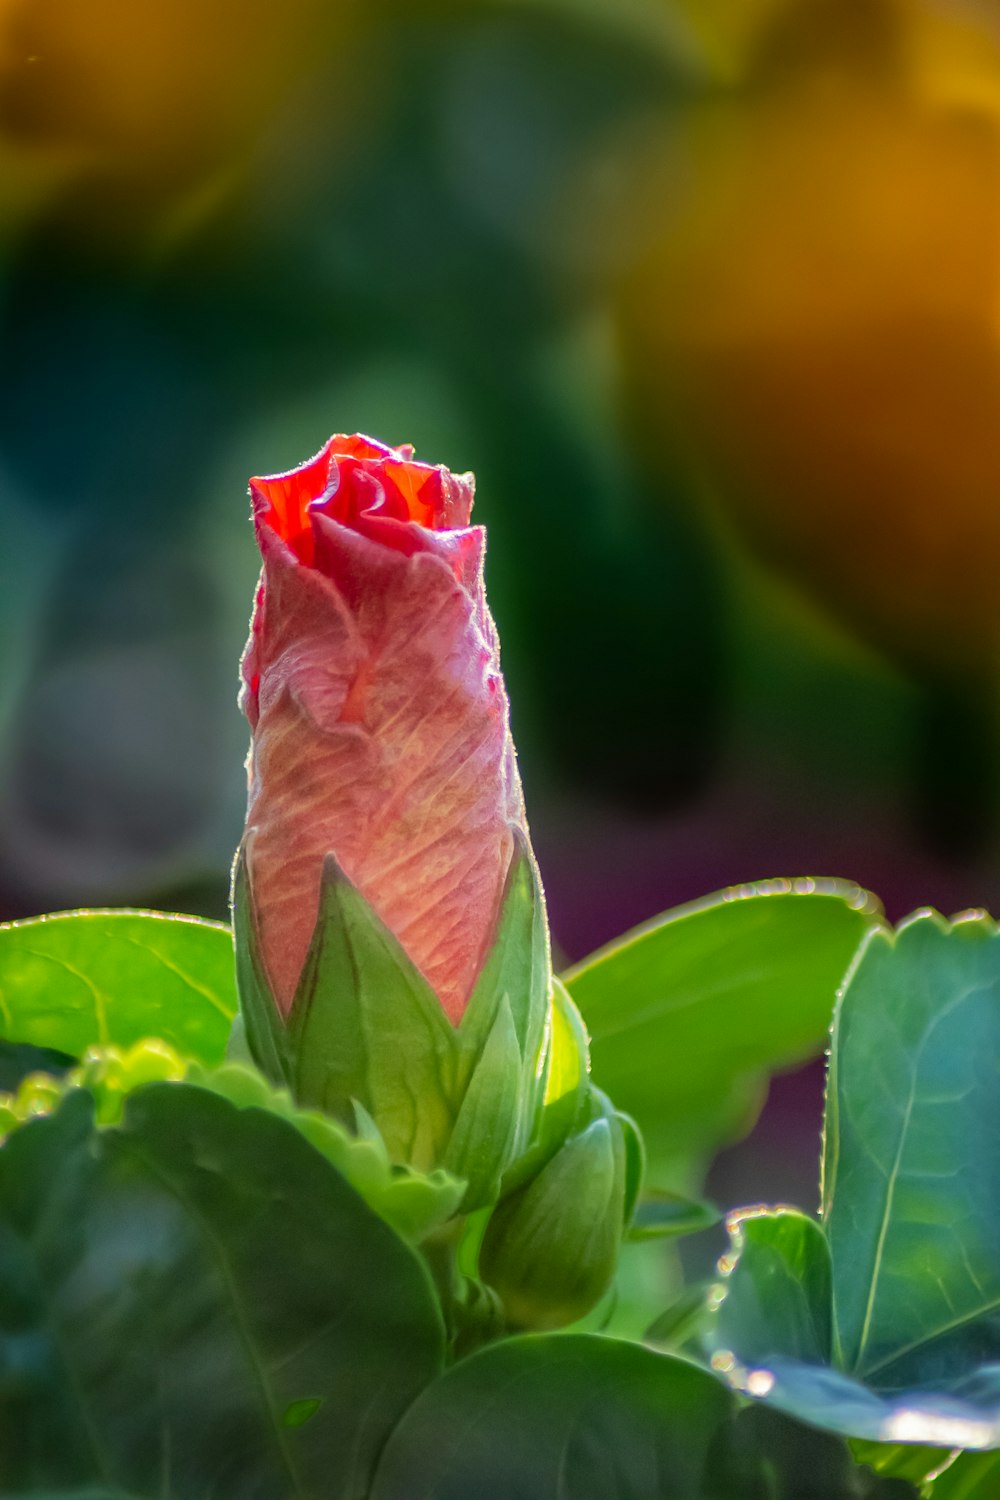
707,292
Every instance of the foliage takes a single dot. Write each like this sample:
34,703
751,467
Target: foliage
208,1288
689,1014
880,1321
177,1286
98,978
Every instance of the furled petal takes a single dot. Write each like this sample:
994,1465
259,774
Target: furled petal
380,718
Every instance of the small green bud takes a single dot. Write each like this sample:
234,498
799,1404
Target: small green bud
483,1139
551,1247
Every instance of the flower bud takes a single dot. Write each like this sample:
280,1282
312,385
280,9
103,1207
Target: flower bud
551,1247
392,949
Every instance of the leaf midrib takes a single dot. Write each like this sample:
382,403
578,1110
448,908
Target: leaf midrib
929,1338
858,1368
883,1233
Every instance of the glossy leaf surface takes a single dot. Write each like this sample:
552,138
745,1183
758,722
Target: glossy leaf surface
85,978
689,1014
972,1476
904,1460
174,1289
907,1273
777,1300
911,1201
548,1418
413,1203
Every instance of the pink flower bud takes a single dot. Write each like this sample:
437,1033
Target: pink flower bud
380,721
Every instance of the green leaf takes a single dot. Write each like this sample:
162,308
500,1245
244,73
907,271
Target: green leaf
777,1295
37,1094
683,1322
413,1203
366,1025
580,1417
87,1492
660,1215
109,1074
966,1415
18,1060
546,1418
912,1217
789,1461
910,1198
972,1476
171,1288
93,978
300,1412
689,1014
904,1460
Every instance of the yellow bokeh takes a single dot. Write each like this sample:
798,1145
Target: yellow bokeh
816,322
157,93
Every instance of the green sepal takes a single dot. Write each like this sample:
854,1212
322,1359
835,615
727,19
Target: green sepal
517,970
264,1033
365,1025
486,1128
567,1070
238,1047
635,1163
551,1247
366,1031
597,1106
365,1128
517,965
413,1203
565,1089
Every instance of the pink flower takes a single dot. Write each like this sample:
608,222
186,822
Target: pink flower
380,721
